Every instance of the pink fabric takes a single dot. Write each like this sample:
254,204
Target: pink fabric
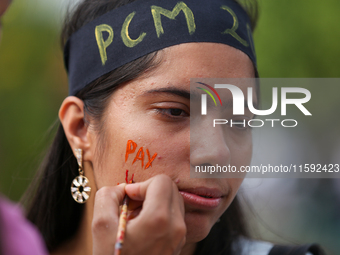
18,235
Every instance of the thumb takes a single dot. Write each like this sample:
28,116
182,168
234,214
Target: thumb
106,218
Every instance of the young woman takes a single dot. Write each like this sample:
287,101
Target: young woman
129,65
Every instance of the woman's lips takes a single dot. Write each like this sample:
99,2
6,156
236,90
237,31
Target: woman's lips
203,198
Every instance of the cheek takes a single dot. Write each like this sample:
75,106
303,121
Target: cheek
173,153
234,184
241,156
174,150
109,165
162,154
241,153
143,155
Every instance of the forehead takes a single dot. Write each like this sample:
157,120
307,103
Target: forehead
179,63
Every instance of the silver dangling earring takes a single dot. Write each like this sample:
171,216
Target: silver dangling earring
79,188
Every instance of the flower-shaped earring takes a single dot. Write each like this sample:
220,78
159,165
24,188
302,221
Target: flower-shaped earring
79,188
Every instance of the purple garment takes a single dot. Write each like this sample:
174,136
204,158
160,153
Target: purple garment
18,235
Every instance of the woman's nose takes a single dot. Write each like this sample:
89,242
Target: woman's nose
208,145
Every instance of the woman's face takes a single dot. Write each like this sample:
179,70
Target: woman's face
150,115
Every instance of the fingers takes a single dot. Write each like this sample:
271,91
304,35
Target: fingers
178,201
105,218
133,214
159,228
156,224
156,193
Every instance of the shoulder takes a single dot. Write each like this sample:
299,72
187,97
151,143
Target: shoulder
256,247
18,235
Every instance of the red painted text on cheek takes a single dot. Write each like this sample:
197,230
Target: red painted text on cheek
131,147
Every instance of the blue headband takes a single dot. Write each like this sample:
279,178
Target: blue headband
144,26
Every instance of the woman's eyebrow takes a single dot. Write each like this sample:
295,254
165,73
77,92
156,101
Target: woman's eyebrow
174,91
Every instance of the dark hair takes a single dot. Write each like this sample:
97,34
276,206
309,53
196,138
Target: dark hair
52,209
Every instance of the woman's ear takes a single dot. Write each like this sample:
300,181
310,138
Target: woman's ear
71,115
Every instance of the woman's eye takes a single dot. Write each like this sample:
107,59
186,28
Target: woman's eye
176,112
172,112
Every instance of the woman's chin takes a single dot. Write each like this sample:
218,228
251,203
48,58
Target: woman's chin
198,226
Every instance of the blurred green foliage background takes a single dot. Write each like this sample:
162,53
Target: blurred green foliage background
294,38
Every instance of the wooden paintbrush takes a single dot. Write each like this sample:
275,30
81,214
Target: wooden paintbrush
122,220
122,226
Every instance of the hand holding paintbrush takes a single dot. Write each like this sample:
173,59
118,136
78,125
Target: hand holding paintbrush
157,227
